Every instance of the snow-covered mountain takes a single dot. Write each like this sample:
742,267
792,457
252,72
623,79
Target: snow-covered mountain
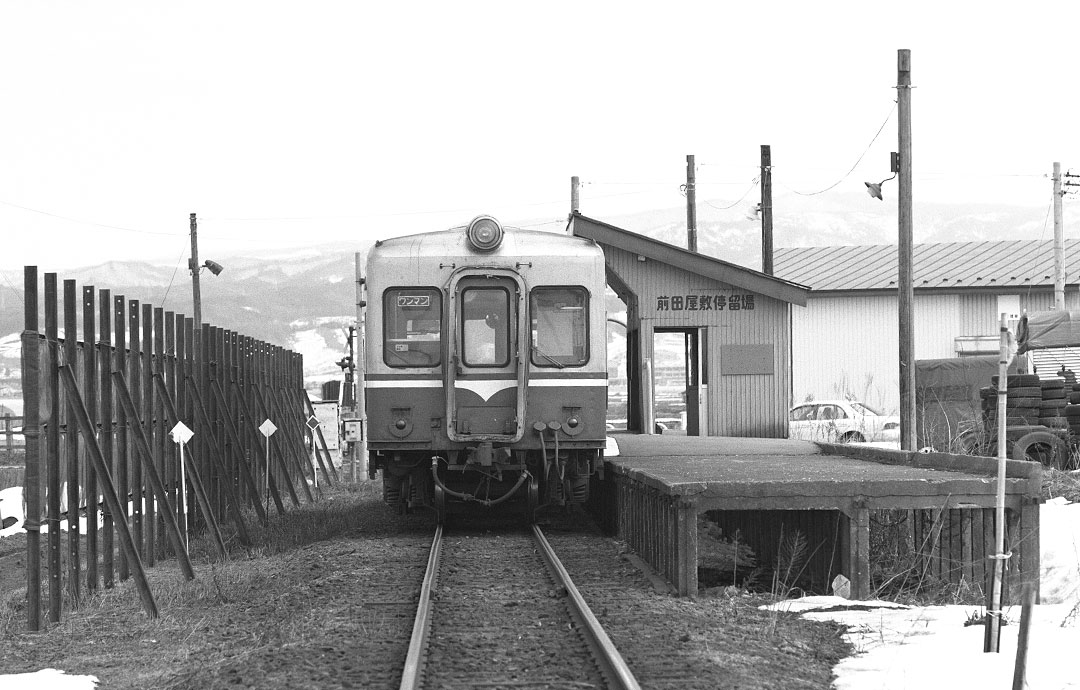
734,234
304,299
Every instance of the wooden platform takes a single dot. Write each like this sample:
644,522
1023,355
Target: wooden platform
658,485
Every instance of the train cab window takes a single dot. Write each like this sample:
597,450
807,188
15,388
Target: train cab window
412,327
485,326
560,326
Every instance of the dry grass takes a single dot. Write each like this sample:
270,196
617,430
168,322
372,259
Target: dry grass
1064,484
109,628
259,618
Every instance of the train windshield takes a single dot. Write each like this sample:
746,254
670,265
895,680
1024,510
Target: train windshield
559,326
412,327
485,326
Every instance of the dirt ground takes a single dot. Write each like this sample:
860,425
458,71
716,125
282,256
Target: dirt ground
308,617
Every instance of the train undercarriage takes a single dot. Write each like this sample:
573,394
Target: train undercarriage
525,482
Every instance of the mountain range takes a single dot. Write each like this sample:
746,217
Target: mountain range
304,300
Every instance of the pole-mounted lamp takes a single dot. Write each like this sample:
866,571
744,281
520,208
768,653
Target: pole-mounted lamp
874,188
196,268
215,268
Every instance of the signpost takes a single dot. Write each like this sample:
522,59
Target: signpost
267,429
181,435
313,424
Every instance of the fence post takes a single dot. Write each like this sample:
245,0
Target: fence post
138,484
120,448
72,446
90,385
31,379
108,564
52,439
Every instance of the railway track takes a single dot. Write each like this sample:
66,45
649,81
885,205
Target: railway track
498,610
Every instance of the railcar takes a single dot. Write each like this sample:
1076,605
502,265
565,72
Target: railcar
485,368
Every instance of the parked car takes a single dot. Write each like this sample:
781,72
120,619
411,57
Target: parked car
841,421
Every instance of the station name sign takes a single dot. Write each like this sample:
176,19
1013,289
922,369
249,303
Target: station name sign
705,302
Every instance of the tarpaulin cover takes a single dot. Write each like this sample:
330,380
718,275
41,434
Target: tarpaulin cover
1043,329
947,399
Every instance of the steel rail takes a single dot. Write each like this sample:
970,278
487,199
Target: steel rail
414,668
612,666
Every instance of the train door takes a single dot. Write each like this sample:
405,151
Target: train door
486,379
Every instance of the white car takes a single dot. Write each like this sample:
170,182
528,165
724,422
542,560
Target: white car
841,421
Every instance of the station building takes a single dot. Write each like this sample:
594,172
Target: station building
734,324
846,340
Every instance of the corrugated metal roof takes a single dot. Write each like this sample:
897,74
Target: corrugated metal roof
718,269
940,265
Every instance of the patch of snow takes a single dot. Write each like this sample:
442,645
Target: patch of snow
11,345
932,647
318,354
50,678
1059,552
917,647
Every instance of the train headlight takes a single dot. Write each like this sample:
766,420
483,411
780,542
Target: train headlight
485,233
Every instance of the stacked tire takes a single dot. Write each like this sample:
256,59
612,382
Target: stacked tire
1037,418
1023,406
1055,397
1072,409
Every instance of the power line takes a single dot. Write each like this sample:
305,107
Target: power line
1046,220
173,279
14,289
753,184
861,156
85,222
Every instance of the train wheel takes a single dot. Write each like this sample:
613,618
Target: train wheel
532,502
440,505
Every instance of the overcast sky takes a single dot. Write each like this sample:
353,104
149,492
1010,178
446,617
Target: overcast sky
281,124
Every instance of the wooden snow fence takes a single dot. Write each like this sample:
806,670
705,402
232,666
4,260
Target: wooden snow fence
102,463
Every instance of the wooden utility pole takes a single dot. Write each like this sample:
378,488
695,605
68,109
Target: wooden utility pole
359,456
1059,243
193,264
691,205
766,210
575,195
905,284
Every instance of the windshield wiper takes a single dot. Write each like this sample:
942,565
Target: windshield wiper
549,358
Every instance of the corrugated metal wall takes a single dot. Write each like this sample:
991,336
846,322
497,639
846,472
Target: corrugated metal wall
846,346
739,403
849,344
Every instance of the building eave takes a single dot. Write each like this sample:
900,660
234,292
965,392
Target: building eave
608,235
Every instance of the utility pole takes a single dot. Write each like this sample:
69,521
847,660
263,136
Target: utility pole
1059,243
193,264
691,205
766,210
905,251
359,450
575,195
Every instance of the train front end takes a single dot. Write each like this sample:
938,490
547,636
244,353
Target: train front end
485,368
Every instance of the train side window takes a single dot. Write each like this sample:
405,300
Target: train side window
412,327
485,326
560,326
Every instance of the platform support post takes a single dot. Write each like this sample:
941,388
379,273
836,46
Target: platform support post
687,556
857,551
1028,539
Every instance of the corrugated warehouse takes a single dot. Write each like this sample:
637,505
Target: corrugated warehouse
735,324
846,343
